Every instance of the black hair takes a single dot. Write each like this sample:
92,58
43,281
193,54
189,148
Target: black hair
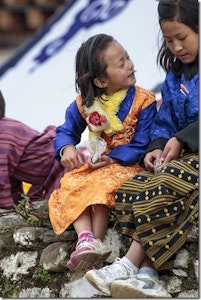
186,12
89,65
2,106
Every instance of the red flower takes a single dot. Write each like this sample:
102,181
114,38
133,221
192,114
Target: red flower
95,119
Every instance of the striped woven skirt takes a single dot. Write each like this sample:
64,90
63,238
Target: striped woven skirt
158,210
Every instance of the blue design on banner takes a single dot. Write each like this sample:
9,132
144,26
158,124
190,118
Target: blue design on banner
97,11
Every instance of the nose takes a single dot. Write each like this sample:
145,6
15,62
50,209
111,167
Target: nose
177,47
130,64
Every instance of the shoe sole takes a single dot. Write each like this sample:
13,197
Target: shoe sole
125,291
87,259
93,280
119,291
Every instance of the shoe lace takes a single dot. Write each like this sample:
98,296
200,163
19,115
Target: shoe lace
82,243
89,242
116,269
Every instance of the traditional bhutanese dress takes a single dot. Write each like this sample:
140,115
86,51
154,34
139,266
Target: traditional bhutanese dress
157,210
130,113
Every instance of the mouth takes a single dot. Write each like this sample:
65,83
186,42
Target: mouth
131,75
183,56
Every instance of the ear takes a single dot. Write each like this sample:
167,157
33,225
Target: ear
101,82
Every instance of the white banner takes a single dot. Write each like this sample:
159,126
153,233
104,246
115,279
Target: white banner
38,81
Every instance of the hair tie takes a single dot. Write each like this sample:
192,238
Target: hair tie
95,40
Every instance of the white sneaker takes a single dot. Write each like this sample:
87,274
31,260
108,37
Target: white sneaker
101,279
141,286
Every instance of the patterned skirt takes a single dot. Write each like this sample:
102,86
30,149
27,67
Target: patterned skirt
85,187
158,210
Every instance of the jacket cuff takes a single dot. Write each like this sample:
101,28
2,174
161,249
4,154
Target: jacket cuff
158,143
189,137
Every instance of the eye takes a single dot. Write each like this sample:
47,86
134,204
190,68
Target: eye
182,38
121,63
168,41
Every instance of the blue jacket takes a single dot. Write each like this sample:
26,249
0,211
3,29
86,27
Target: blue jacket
70,132
178,109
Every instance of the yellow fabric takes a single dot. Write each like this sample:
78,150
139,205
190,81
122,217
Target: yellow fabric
111,107
83,187
26,187
107,106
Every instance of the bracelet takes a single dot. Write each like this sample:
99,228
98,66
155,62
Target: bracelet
62,149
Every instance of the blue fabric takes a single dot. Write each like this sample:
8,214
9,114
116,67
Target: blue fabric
70,132
178,108
131,153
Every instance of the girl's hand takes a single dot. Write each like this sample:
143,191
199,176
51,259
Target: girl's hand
150,158
71,158
103,161
172,150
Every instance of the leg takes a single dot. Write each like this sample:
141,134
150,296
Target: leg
136,254
83,222
93,219
90,251
99,218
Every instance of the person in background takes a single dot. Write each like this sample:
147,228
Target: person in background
118,114
26,155
157,209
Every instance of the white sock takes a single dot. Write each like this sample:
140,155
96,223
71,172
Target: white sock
127,262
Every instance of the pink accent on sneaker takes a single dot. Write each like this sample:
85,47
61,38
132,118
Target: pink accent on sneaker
88,254
86,235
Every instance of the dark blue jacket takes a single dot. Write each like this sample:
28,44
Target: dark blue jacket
179,109
70,132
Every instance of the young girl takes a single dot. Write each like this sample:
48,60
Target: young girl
163,206
118,114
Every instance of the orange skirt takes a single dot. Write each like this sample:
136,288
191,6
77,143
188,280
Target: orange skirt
83,187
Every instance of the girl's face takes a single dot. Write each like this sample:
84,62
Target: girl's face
120,69
181,40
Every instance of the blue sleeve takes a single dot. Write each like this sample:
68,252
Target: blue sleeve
179,108
70,132
131,153
164,124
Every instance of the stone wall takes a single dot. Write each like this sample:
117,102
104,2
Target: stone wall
33,258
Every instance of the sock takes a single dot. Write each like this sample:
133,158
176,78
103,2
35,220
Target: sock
127,262
86,235
149,271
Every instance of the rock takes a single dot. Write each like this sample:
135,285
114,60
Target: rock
33,258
